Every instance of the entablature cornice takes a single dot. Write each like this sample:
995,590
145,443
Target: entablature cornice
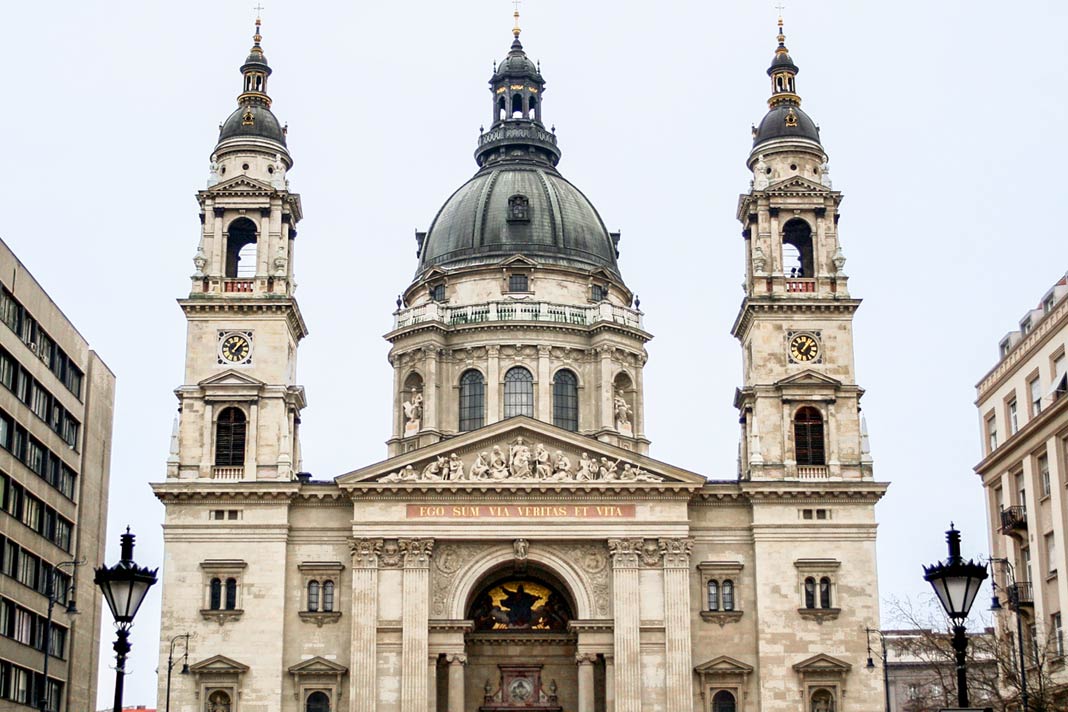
790,306
491,492
512,326
854,491
213,306
1034,433
211,492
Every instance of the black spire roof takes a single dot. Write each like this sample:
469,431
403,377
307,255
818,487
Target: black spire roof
253,117
785,119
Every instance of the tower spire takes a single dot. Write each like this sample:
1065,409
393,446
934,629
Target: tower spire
515,29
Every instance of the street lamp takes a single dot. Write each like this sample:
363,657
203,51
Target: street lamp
124,586
53,597
956,582
170,663
1014,605
871,664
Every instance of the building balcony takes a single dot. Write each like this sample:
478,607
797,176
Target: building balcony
1022,594
800,285
491,312
1013,519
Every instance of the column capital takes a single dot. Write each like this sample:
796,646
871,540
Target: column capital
676,552
625,552
416,552
365,553
456,658
585,658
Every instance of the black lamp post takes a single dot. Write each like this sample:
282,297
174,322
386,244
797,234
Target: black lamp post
125,586
956,583
170,663
871,663
53,597
1014,604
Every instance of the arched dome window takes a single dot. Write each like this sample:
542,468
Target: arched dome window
472,401
241,249
230,438
520,604
518,393
565,400
808,437
797,253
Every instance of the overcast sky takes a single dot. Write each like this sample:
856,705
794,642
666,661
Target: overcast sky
943,121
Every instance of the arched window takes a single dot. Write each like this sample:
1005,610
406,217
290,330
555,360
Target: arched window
723,701
230,438
231,594
317,702
517,106
796,234
728,595
313,596
328,596
808,437
502,109
713,595
215,594
518,393
565,400
825,592
241,262
810,592
822,701
535,111
218,701
472,401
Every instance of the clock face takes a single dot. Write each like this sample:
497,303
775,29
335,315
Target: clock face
804,348
235,348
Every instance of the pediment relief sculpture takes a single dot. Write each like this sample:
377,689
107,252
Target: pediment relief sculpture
522,461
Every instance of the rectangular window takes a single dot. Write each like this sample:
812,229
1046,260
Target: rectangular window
1025,325
31,512
1032,633
1014,421
27,570
1034,387
1025,555
63,533
1021,491
23,626
11,558
1058,634
518,283
1051,554
22,385
1042,465
39,401
992,432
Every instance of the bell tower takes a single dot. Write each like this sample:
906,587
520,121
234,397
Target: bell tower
239,405
799,406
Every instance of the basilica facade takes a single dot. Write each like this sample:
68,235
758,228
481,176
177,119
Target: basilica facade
519,548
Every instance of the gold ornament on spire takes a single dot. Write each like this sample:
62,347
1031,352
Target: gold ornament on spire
257,38
516,30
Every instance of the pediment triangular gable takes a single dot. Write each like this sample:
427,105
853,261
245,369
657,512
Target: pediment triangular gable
723,665
318,666
808,377
239,184
521,451
520,260
601,274
797,184
822,663
434,272
230,377
218,664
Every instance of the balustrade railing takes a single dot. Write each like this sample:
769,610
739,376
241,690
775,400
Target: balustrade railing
518,311
812,472
227,473
800,285
238,285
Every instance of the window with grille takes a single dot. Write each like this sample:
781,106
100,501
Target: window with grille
437,293
518,393
808,437
810,592
231,594
518,283
713,595
313,595
230,438
565,400
472,401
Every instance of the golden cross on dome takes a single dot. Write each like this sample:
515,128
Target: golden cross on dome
259,9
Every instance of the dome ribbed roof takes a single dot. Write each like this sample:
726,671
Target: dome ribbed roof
264,124
777,124
477,226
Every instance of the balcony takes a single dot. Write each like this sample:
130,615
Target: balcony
227,473
1021,594
812,472
495,312
1013,519
241,286
800,285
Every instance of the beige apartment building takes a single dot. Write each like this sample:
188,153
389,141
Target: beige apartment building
56,405
1023,414
519,548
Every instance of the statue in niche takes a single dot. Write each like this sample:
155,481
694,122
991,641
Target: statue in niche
213,173
413,412
497,464
543,467
519,549
519,459
200,261
760,174
623,412
456,467
480,468
280,262
760,261
587,469
825,175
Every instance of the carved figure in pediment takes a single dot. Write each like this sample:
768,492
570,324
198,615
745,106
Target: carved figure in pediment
637,474
481,467
608,470
407,474
519,459
498,466
562,470
543,466
436,470
587,468
456,467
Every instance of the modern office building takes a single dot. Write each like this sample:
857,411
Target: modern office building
56,405
1023,415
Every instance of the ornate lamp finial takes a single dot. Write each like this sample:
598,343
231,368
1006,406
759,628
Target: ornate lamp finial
782,37
256,37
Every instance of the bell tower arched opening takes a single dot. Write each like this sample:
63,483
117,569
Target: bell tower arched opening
797,253
241,249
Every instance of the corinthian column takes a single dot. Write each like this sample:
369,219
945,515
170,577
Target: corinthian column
625,558
676,554
415,623
364,624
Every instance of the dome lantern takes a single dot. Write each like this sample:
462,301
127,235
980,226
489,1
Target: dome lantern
785,119
253,118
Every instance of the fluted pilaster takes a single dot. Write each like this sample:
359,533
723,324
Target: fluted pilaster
626,554
362,692
415,623
678,667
